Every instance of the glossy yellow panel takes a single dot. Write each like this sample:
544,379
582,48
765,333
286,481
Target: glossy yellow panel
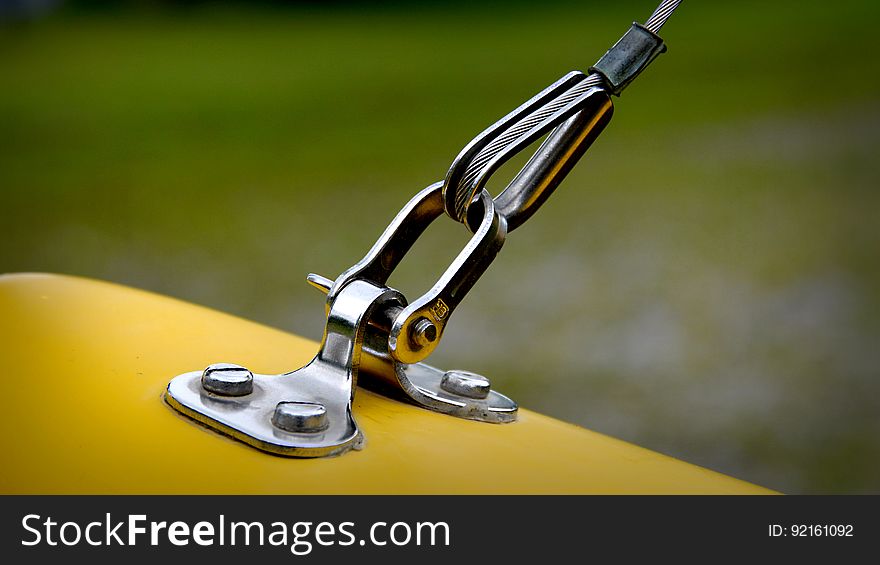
85,364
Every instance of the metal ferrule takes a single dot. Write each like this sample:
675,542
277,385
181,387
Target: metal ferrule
631,55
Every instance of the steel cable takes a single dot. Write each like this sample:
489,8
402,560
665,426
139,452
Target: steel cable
464,191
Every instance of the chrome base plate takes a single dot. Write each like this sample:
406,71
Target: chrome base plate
422,383
249,418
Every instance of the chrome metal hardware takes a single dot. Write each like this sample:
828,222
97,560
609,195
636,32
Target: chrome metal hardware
398,338
372,332
416,330
304,413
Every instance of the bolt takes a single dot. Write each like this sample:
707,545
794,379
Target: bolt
465,383
424,332
227,379
300,417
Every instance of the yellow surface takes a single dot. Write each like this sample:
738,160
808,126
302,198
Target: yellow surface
85,364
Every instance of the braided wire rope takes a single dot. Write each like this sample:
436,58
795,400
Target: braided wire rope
464,191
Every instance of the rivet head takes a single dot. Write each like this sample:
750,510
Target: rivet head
424,332
300,417
466,384
227,379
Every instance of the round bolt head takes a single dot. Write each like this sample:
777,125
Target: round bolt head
424,332
300,417
466,384
227,379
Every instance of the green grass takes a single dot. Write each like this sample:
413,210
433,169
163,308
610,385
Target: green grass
705,283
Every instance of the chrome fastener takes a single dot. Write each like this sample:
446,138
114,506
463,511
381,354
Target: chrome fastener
424,332
300,417
227,379
466,384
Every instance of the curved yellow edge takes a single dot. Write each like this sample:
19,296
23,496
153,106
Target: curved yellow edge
85,365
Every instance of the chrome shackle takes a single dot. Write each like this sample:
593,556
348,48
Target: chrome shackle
397,335
372,335
416,329
574,110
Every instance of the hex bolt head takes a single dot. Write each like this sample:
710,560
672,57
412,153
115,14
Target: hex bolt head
227,379
466,384
300,417
424,332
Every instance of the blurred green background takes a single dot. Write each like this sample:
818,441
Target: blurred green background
704,284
